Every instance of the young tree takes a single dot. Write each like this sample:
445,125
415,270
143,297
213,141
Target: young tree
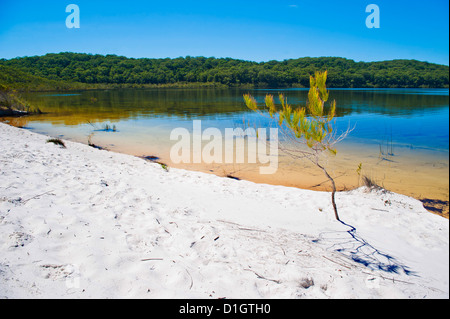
308,131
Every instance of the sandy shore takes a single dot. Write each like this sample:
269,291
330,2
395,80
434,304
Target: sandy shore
416,173
78,222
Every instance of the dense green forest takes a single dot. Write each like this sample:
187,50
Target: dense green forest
82,71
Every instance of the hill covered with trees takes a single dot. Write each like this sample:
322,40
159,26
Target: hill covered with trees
81,71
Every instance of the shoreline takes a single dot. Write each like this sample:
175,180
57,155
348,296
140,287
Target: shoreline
400,176
72,219
306,177
412,172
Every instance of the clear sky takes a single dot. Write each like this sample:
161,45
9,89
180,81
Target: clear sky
250,30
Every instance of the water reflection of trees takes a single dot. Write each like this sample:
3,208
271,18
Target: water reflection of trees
113,105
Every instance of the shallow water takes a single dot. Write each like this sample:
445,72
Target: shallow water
400,136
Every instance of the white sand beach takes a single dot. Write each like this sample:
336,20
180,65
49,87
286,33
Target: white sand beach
78,222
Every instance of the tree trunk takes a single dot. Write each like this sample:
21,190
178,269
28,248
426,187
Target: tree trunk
333,193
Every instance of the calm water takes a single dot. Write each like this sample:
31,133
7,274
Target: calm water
412,124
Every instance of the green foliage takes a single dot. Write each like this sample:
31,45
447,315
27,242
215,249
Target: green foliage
164,166
81,71
310,125
359,169
24,80
11,103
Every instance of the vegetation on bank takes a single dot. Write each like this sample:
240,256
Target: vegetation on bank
72,71
12,104
24,81
57,141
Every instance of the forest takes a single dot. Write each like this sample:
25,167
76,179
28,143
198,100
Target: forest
65,71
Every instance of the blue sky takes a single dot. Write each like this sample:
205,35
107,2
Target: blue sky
249,30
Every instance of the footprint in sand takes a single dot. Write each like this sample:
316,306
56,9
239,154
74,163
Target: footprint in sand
19,239
57,272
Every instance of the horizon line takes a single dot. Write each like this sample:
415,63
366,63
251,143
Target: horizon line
213,57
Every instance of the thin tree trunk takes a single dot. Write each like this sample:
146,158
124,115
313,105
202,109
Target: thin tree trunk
333,193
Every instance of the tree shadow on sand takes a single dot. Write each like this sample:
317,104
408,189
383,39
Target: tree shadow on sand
356,248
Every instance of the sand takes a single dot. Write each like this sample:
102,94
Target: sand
78,222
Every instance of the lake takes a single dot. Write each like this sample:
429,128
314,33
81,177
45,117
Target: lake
399,136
